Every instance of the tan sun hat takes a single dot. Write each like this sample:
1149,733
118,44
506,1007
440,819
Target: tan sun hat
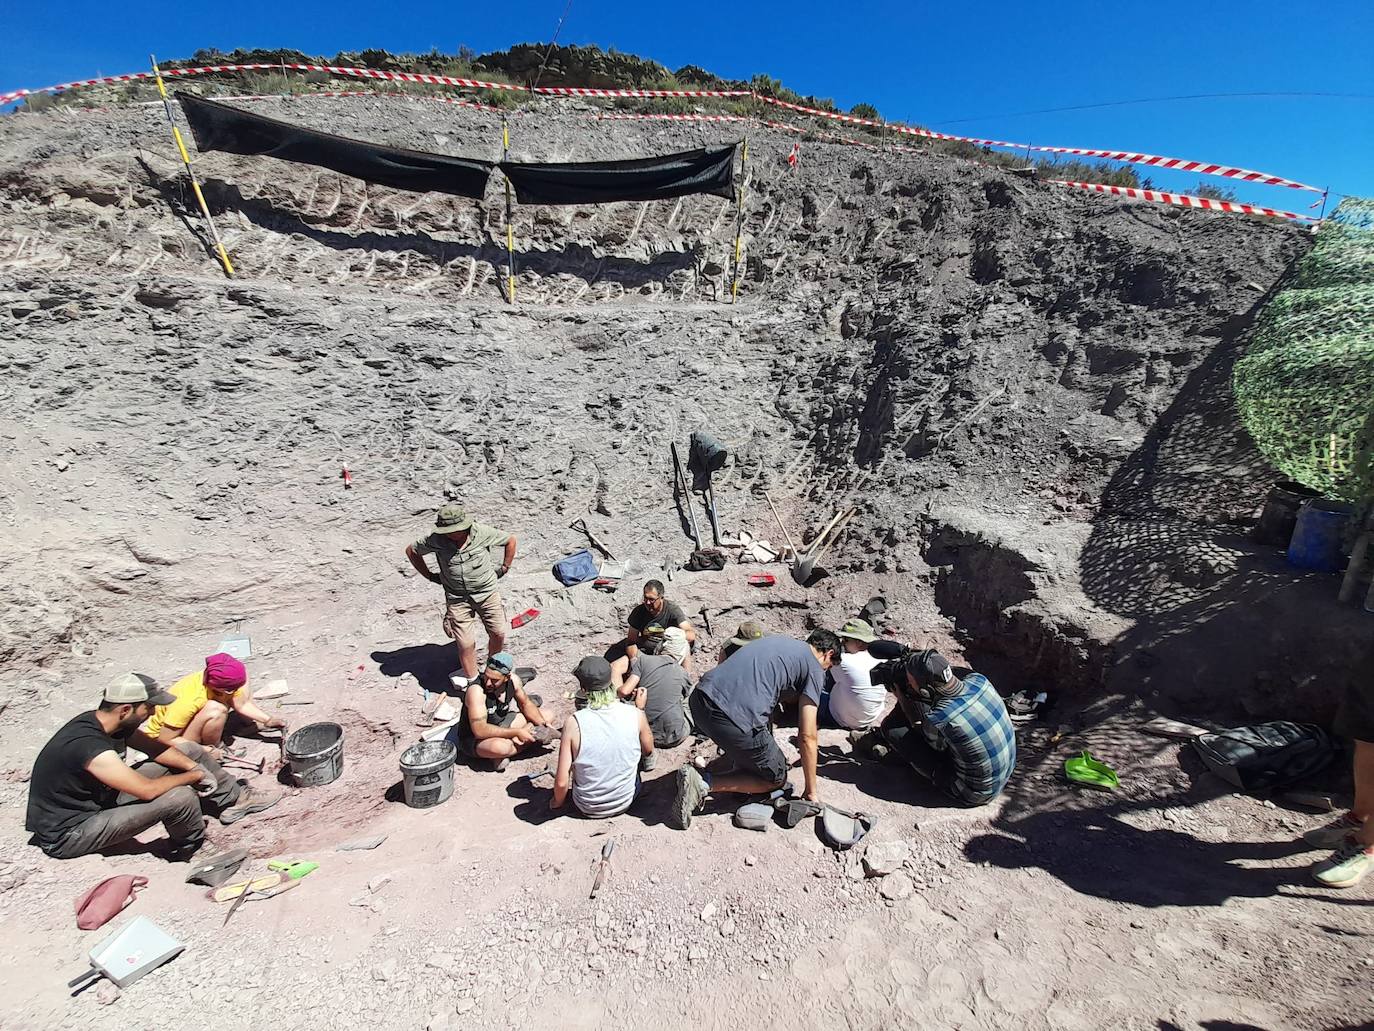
452,519
135,689
675,644
859,630
746,632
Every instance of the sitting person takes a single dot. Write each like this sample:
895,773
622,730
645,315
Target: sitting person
954,732
83,797
599,758
665,685
648,620
744,633
201,705
733,706
854,702
499,719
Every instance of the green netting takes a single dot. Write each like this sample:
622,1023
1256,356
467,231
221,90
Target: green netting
1335,311
1305,387
1342,255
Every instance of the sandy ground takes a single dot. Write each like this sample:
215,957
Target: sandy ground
1017,390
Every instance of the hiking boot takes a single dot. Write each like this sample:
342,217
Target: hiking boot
1333,834
1344,867
648,762
250,801
691,792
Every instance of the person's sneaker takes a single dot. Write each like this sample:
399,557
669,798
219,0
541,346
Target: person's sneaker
648,762
499,765
250,801
691,792
1344,867
1333,834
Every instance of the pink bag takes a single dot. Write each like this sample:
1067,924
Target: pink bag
106,900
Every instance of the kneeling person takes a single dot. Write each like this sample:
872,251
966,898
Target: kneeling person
665,685
954,732
733,706
84,797
201,705
498,717
599,758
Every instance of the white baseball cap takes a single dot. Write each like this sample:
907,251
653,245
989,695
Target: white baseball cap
135,689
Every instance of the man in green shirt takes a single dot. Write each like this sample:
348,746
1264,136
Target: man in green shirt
462,550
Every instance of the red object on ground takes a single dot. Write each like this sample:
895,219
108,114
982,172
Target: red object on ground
762,580
525,617
106,900
347,478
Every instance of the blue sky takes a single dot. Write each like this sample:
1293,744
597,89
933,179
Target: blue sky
968,68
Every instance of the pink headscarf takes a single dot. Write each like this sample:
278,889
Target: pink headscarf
223,672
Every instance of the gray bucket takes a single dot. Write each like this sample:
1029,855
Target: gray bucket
315,753
427,773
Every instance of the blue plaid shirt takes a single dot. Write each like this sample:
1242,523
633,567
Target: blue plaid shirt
974,727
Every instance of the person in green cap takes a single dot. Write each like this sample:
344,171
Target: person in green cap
853,702
462,550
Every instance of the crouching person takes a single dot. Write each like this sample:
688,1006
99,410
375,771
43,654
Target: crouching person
83,797
499,720
954,732
602,747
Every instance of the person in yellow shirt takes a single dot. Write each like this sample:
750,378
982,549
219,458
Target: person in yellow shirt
203,702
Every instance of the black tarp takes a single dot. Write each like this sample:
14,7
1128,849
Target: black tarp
234,131
603,182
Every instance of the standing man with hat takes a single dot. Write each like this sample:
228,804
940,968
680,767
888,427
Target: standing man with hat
462,550
854,702
84,797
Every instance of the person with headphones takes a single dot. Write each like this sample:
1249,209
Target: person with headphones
953,731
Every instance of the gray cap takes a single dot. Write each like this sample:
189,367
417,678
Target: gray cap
933,671
593,673
135,689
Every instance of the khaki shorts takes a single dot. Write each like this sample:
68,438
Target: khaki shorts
462,616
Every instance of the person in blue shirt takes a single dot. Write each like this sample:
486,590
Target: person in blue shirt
953,731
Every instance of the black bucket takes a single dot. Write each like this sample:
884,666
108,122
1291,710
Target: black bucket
315,753
1280,514
427,773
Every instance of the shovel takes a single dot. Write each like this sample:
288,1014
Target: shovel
680,485
807,571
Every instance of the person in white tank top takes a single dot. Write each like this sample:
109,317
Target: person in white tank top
598,759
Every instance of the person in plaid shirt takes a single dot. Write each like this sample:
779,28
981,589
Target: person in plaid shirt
953,731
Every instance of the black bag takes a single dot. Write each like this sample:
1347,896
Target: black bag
704,559
1267,755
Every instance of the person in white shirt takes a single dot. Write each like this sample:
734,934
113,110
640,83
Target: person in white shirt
854,702
598,760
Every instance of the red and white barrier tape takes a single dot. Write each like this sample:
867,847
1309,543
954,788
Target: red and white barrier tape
1153,160
369,73
1183,200
634,117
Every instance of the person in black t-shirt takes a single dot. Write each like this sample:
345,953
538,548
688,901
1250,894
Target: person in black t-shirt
648,621
83,797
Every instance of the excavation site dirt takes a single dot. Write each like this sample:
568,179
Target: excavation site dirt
1023,391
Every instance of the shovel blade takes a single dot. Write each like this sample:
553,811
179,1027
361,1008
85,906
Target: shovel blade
806,572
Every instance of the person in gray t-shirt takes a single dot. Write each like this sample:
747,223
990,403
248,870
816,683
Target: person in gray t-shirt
733,706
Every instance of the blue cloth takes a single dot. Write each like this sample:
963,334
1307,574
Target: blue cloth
973,727
824,718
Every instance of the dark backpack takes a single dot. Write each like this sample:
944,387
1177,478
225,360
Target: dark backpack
1267,755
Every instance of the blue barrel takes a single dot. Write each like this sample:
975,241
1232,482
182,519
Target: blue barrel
1316,542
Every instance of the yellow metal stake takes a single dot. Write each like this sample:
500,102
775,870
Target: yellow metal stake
739,222
510,231
191,172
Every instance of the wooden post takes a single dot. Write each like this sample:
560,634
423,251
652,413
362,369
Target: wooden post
739,222
510,231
